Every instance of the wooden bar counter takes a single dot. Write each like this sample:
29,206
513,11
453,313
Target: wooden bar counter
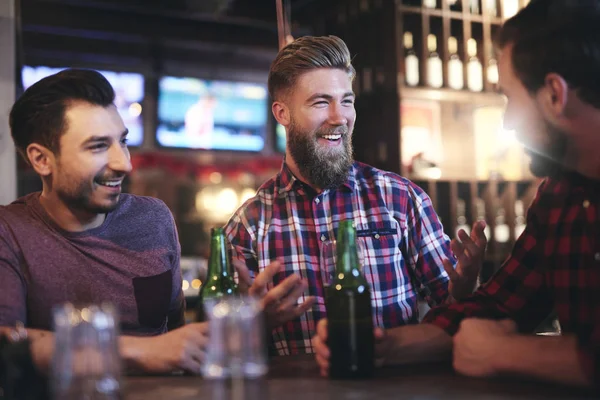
297,377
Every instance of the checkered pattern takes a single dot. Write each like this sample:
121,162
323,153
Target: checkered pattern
403,240
555,264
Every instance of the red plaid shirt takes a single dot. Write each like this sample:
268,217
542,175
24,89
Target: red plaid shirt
555,264
403,240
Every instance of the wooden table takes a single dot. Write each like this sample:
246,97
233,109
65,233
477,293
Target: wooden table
292,378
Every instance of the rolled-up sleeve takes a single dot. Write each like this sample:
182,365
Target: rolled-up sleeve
428,246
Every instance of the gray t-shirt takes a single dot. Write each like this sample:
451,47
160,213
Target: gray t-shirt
131,260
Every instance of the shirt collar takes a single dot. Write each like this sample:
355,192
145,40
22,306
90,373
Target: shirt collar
288,181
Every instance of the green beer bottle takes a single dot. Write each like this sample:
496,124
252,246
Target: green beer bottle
219,280
350,323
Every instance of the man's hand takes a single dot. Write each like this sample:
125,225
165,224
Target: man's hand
180,349
383,344
469,255
280,303
476,344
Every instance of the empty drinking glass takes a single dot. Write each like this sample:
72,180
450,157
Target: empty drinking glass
86,363
236,345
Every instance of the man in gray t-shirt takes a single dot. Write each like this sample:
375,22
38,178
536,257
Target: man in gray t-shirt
132,259
80,239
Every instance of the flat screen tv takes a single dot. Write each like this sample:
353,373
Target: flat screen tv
129,93
211,115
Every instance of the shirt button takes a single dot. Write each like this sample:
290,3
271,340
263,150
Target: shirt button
323,238
597,256
317,200
377,236
586,203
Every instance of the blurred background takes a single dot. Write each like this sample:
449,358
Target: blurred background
190,77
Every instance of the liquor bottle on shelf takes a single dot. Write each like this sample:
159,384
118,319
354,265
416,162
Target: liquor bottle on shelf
434,63
492,72
455,66
474,7
474,68
219,280
461,219
480,209
501,229
411,61
519,218
430,3
491,8
349,313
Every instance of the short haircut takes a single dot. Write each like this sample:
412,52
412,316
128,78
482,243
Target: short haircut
38,116
305,54
556,36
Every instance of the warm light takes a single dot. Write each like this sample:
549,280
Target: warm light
135,109
227,200
215,178
247,193
510,8
196,283
185,285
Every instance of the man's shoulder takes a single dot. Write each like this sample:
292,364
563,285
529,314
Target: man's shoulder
253,208
146,208
20,209
141,203
368,175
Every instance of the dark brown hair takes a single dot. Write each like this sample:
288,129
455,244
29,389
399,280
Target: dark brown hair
556,36
38,116
305,54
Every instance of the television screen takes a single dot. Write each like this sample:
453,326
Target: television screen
212,115
129,92
279,138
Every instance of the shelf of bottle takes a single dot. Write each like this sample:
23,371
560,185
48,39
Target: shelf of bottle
457,15
447,94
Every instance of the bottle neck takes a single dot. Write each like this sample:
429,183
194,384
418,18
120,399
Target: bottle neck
347,256
218,263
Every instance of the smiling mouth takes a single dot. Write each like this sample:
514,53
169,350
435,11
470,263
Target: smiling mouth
332,138
110,184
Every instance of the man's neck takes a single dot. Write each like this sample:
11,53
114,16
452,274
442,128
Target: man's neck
68,219
291,164
583,156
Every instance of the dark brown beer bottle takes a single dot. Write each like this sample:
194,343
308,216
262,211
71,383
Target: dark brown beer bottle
350,323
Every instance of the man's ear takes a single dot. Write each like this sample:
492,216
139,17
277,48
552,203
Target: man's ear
553,96
41,159
281,113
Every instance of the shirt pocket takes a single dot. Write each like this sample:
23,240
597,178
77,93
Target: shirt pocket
381,255
153,298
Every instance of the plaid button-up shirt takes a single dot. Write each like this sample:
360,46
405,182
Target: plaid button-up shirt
555,264
401,235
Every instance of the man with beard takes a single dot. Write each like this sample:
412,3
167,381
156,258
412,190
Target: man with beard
279,234
549,62
80,239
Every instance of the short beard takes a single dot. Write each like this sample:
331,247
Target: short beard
549,162
323,168
80,198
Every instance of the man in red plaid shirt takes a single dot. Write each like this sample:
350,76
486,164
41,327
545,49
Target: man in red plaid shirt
549,65
280,233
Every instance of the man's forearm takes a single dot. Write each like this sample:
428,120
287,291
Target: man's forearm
418,343
131,349
546,358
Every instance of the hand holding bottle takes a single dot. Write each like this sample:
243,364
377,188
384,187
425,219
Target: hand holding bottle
383,345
